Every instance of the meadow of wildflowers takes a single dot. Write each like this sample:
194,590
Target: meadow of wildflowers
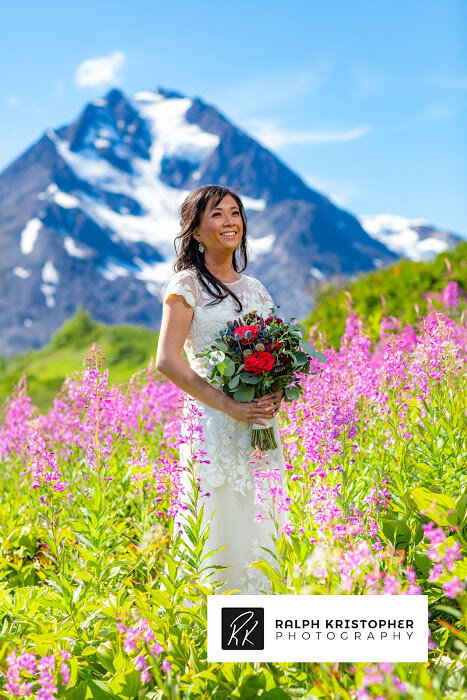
102,556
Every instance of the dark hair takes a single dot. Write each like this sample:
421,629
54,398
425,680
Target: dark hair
189,257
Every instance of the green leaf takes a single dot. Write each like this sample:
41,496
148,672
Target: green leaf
234,382
292,392
461,507
245,394
229,367
311,350
438,506
301,358
423,564
397,532
220,345
250,378
78,692
267,569
300,329
276,694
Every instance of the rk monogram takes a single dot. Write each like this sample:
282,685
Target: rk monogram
242,628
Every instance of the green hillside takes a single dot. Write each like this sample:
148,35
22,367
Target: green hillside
404,285
126,348
130,348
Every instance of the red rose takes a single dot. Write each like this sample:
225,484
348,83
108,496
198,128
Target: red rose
259,362
270,319
241,330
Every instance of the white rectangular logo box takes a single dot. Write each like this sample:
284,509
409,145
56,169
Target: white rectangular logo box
369,628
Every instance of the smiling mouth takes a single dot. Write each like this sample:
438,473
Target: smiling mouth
229,234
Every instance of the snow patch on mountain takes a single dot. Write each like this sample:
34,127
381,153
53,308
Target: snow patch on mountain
172,134
29,235
73,249
21,272
63,199
50,279
260,246
415,239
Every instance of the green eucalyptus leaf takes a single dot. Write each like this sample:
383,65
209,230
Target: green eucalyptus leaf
298,327
250,378
292,392
220,345
229,368
234,382
245,394
310,350
301,359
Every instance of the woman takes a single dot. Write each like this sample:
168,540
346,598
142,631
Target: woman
205,293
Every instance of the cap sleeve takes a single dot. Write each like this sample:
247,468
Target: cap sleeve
181,283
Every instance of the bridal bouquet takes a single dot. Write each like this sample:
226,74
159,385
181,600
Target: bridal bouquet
255,356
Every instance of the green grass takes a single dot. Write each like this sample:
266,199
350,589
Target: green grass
127,349
403,285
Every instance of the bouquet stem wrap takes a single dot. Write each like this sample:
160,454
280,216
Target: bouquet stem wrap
262,436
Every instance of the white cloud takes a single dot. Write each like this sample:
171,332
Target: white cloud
100,71
12,101
342,193
273,136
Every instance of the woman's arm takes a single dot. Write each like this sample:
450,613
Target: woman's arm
177,315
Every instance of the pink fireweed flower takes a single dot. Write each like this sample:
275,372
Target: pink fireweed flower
391,585
157,649
137,644
47,676
450,296
372,676
453,587
435,572
451,554
434,534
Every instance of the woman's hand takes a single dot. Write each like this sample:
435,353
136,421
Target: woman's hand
273,400
258,410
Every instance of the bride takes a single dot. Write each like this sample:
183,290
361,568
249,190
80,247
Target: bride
205,293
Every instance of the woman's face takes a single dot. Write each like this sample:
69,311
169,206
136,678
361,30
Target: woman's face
221,226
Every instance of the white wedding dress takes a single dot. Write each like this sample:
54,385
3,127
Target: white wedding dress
228,477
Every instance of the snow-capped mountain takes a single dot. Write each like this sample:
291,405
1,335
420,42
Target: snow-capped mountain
89,214
415,239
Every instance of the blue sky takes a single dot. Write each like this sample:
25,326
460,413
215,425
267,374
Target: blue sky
366,100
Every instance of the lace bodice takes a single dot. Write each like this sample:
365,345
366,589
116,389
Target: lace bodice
209,320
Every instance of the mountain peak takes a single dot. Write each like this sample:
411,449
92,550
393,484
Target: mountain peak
90,213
